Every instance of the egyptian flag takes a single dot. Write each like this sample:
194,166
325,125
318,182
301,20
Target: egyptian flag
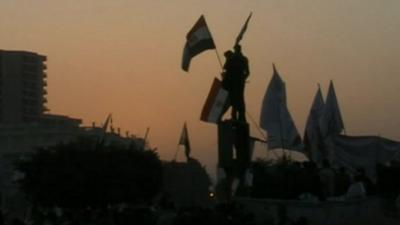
184,140
198,40
215,103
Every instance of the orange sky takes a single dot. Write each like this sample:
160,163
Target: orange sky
124,57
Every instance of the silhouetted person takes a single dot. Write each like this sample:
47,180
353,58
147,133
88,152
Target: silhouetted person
227,80
327,176
309,179
343,182
356,189
236,71
367,182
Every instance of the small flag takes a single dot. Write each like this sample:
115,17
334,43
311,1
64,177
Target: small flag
243,30
184,140
105,126
198,40
102,138
215,103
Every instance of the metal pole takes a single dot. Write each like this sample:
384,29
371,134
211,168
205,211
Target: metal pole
260,131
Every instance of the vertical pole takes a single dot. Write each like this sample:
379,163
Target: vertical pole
219,59
261,132
146,134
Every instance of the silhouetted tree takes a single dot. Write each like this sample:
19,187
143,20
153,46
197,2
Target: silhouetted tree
85,174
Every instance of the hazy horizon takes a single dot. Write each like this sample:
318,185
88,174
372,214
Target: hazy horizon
123,57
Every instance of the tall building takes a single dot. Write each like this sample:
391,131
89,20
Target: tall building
22,86
26,124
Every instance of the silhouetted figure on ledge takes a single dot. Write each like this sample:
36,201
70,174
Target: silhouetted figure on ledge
367,182
236,71
227,81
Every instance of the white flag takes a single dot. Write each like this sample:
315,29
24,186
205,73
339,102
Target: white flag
312,134
276,119
331,122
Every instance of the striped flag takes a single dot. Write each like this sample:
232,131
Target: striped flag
215,103
198,40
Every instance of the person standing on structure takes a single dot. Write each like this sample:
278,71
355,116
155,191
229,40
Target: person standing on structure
236,71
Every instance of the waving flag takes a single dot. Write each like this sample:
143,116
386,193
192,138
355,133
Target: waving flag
331,122
198,40
243,30
215,103
276,119
312,135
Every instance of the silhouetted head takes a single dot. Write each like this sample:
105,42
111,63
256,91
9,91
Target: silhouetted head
238,48
228,54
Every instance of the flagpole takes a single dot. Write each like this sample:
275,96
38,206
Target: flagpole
219,59
243,30
258,128
216,51
260,131
146,134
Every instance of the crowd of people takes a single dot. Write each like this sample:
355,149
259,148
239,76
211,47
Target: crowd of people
294,180
330,183
307,181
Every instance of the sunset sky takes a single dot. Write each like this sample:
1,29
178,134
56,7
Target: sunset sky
123,57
